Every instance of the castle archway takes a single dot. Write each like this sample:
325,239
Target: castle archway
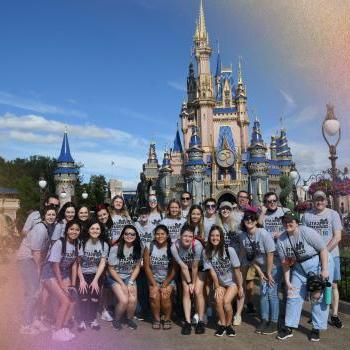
226,196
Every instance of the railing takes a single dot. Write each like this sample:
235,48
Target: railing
344,284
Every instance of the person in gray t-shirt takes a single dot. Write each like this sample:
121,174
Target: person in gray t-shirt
159,268
224,268
209,215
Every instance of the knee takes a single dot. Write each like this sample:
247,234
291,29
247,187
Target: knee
227,306
198,291
334,286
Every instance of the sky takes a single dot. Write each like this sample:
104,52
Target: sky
113,73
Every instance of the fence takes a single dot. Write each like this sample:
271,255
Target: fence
344,284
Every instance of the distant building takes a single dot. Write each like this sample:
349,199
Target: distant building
9,202
212,155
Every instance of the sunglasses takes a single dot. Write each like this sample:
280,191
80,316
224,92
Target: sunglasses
152,201
130,233
185,198
209,206
271,201
249,218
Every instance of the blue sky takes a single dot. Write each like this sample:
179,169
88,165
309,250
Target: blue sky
114,72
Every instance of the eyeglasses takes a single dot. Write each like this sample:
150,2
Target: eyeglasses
272,201
130,233
152,201
225,208
210,206
185,198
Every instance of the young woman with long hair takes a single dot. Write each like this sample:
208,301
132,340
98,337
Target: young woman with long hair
228,224
160,272
67,213
124,262
59,278
224,268
83,217
173,220
195,219
90,270
155,211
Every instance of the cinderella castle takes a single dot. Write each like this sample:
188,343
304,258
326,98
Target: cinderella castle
213,155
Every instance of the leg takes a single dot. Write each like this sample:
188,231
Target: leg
186,301
199,288
166,304
219,306
154,298
71,307
273,295
122,298
264,301
230,293
132,301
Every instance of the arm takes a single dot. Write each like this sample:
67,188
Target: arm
82,282
136,271
269,266
74,273
115,275
147,267
335,240
57,272
36,254
286,274
239,280
94,284
324,263
195,270
171,274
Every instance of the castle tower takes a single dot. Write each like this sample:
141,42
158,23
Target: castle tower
273,154
176,155
187,122
218,74
151,167
283,152
195,168
66,173
257,165
165,179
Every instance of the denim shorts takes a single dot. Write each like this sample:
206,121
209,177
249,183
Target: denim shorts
47,272
110,281
337,272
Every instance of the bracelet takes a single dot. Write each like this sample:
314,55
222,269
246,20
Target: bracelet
189,282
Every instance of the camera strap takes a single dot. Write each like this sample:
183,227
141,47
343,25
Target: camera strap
296,255
252,245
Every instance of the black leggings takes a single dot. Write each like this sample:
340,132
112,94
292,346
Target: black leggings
89,301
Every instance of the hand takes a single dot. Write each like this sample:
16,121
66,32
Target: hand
125,288
240,292
191,288
219,292
290,287
270,280
94,287
132,290
325,274
276,235
83,287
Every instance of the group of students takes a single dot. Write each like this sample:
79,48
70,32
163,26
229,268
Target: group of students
196,258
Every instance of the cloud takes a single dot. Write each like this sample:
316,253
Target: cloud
307,115
30,137
290,102
176,85
37,106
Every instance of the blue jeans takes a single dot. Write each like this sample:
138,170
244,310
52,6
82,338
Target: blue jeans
30,277
296,298
269,301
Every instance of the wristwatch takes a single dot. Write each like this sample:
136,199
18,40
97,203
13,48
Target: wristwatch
131,282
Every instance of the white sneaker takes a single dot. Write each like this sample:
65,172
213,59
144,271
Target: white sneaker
195,319
82,326
40,326
60,335
29,330
69,333
95,325
105,316
237,320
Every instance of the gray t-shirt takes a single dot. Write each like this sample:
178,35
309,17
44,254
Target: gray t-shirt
324,223
58,232
145,232
229,235
36,239
155,218
184,212
174,226
208,223
223,267
118,224
187,255
32,219
93,252
125,266
159,262
306,244
259,243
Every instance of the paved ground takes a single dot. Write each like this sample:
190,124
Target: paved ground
144,337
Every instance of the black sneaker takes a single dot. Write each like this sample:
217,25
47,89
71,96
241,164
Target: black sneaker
271,328
251,309
131,324
117,325
285,333
336,322
261,327
315,335
199,328
230,332
220,331
186,328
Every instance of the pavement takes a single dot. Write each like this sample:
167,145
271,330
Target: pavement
144,338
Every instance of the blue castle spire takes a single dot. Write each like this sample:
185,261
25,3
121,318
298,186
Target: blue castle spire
195,141
256,134
65,156
282,148
218,64
177,143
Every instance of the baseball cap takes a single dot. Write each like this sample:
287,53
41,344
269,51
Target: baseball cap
319,194
226,204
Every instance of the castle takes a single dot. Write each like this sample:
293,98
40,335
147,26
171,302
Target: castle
213,156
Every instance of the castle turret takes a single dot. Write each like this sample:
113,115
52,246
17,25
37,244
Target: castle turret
273,148
165,179
218,75
283,153
66,173
257,165
195,168
176,155
151,167
191,84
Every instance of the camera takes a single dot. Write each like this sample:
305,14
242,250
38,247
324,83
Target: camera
250,256
316,283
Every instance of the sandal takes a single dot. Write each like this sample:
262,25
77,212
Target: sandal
156,325
167,325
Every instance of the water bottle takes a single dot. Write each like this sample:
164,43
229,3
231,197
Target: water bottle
328,293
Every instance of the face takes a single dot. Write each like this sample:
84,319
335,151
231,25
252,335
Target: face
196,216
243,199
174,209
118,204
185,200
250,222
95,231
160,236
50,217
290,226
320,203
225,212
215,238
69,213
83,214
210,208
187,238
129,235
271,202
152,202
53,201
143,218
73,232
102,216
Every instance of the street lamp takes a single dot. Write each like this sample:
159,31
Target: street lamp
331,128
42,184
84,195
63,194
295,176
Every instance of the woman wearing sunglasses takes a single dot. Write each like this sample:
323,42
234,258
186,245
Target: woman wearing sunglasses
209,215
124,262
228,224
155,212
186,202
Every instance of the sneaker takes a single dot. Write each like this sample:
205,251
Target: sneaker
138,316
82,326
40,326
230,332
29,330
186,328
105,316
220,331
336,322
271,328
285,333
195,319
199,328
261,327
315,335
131,324
251,309
95,325
237,320
117,325
60,335
69,333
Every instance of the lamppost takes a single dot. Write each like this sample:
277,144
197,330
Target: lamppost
42,184
295,176
63,194
331,128
84,195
